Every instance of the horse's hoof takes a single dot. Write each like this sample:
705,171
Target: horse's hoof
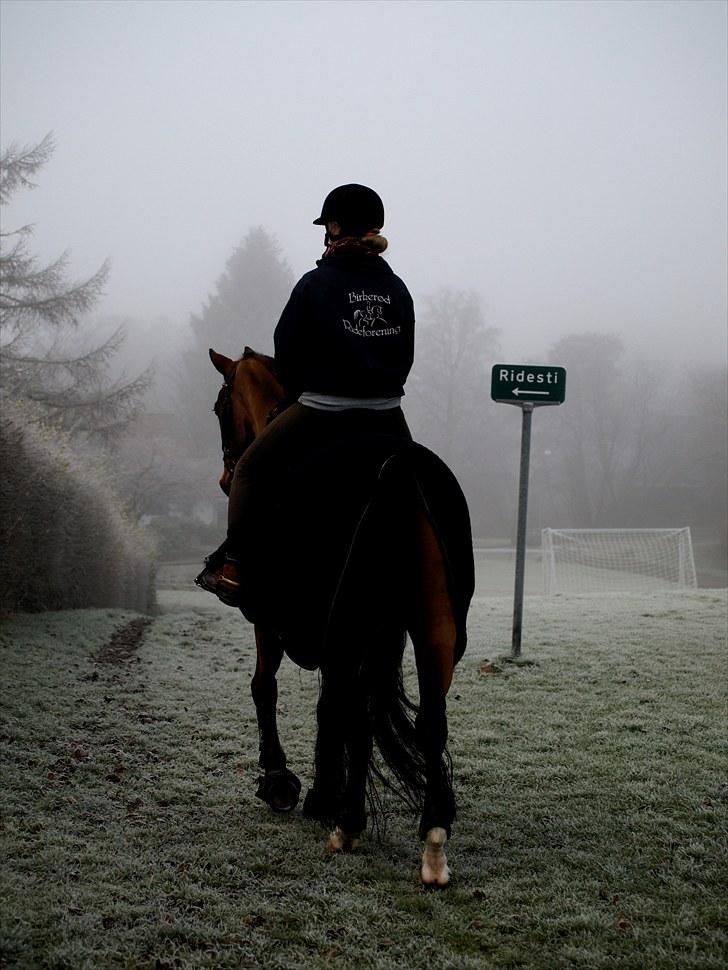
339,841
279,789
435,873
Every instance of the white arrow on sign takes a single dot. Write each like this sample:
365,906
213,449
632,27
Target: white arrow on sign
527,390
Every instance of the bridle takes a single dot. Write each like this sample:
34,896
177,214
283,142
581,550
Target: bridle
224,410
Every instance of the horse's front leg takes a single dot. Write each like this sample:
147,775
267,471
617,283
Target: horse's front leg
278,787
434,635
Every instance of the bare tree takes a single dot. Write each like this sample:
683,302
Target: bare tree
449,384
700,466
448,404
608,441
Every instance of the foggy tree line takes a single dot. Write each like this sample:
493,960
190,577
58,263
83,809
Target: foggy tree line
84,466
634,445
66,536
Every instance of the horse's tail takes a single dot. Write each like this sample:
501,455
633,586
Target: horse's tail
392,717
364,681
363,701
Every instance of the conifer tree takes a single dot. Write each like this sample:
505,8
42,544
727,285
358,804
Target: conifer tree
248,298
40,313
243,309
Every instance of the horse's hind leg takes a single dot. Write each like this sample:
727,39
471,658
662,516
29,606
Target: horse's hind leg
351,816
278,786
434,634
343,750
323,798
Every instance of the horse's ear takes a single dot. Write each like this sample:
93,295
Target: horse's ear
248,352
221,363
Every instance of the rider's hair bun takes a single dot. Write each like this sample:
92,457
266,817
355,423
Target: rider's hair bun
376,241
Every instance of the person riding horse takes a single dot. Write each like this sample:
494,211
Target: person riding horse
344,346
346,540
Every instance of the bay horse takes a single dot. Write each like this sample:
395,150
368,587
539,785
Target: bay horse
362,700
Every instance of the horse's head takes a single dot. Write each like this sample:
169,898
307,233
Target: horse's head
249,395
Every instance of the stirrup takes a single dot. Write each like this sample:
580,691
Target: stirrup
207,580
228,590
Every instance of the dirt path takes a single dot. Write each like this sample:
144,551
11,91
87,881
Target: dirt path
125,642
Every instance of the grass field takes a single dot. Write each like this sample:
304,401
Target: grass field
592,799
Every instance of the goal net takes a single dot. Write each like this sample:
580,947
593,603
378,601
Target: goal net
614,560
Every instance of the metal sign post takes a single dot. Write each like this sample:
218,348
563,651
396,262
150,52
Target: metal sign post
527,413
527,387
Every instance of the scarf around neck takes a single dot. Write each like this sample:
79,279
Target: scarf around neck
370,244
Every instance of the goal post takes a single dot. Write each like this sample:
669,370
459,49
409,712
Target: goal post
616,560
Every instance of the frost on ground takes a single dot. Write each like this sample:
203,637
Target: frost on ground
592,798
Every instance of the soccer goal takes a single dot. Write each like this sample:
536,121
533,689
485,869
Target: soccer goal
615,560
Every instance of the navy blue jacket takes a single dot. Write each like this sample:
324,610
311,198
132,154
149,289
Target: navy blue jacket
347,329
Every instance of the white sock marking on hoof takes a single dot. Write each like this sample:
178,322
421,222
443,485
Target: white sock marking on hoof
435,871
342,841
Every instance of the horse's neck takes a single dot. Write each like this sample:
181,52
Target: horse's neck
259,414
261,394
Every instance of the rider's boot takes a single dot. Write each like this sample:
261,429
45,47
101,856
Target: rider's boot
228,582
209,576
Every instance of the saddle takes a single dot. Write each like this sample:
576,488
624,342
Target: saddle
337,545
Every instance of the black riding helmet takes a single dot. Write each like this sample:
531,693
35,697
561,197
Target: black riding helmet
356,208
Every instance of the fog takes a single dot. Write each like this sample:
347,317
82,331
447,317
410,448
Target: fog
565,160
554,179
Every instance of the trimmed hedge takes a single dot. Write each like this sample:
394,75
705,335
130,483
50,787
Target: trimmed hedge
66,540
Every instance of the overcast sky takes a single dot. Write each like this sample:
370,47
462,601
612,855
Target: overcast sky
565,160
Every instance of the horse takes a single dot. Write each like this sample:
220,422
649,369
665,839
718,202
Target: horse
362,702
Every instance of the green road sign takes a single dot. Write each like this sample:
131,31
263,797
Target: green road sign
519,383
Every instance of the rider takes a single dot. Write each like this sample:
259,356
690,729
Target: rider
344,346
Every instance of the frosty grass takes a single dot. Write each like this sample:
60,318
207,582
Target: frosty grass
591,788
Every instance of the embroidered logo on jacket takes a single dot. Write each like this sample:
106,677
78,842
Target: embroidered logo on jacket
370,321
